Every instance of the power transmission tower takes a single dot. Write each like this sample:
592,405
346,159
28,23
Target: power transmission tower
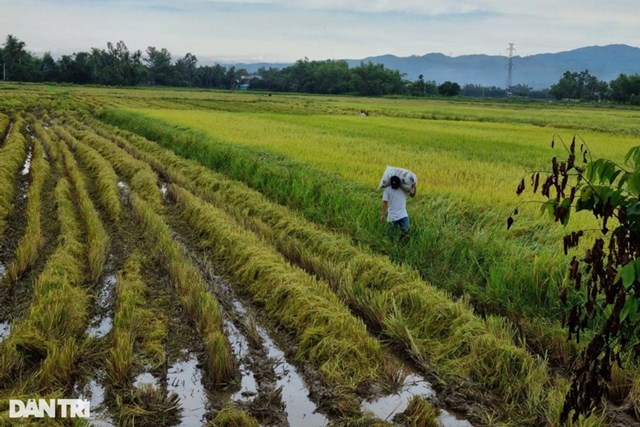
511,50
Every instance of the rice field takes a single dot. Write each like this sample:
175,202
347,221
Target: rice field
198,258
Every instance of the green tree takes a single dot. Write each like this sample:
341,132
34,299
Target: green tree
19,64
78,68
602,289
580,85
331,77
211,76
185,70
626,89
13,55
270,79
484,91
50,72
421,87
374,80
449,89
232,77
567,87
159,66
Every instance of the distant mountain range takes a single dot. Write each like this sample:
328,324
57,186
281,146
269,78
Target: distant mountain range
537,71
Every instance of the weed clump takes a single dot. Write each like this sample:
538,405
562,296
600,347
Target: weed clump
231,416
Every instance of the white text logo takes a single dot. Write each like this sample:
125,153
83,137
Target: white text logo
63,408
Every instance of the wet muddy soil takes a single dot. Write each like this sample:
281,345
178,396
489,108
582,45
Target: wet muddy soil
273,389
269,385
183,372
17,221
101,320
15,298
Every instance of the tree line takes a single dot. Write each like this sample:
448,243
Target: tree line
115,66
118,66
583,86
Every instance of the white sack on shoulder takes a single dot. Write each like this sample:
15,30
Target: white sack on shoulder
407,178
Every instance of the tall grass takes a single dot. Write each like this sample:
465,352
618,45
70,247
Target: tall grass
451,246
197,302
231,416
4,127
101,172
97,238
415,316
47,341
420,412
31,242
134,328
12,155
140,176
327,334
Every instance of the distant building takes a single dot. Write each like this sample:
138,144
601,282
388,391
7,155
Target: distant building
244,82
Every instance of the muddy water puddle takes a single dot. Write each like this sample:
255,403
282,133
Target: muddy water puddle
300,410
448,420
101,329
164,190
184,378
5,330
102,322
240,348
95,393
27,163
387,407
124,189
145,378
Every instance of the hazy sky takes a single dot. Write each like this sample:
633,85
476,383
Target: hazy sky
287,30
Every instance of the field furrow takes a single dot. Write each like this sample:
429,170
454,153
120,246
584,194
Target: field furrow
327,334
198,303
40,354
32,241
137,340
418,318
128,148
138,174
5,127
101,172
35,232
196,258
12,156
97,239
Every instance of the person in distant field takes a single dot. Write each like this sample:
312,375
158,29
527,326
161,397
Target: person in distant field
394,206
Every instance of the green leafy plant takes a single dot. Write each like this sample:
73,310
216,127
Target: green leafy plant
602,290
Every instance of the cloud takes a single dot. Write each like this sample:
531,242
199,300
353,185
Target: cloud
286,30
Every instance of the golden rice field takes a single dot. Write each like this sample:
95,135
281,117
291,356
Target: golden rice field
201,258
